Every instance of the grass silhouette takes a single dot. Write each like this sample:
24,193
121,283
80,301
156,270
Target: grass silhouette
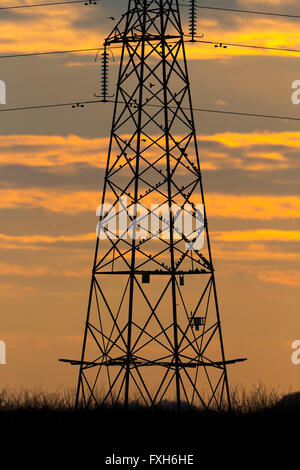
258,400
45,425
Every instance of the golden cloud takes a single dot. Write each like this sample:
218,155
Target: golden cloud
258,207
253,253
46,240
38,271
287,278
47,29
55,29
62,151
217,236
52,151
237,139
257,235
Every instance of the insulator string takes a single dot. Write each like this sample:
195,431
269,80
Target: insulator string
193,19
104,74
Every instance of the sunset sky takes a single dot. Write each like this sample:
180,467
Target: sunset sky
52,168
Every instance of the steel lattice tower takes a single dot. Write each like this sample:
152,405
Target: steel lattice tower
153,326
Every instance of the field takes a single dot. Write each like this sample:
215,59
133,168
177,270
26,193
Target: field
40,428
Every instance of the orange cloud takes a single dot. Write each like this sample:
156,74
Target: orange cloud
38,271
68,202
252,252
257,235
46,29
237,139
43,239
14,269
246,29
218,205
250,3
218,236
287,278
55,28
255,247
58,151
52,151
267,156
253,207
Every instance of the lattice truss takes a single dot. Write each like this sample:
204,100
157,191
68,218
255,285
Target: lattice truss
153,328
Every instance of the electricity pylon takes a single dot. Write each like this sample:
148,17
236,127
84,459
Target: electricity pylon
153,327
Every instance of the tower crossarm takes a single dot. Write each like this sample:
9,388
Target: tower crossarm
136,38
168,364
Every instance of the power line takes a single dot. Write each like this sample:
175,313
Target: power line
75,104
12,56
234,113
87,2
252,12
71,51
93,2
81,104
68,51
248,46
